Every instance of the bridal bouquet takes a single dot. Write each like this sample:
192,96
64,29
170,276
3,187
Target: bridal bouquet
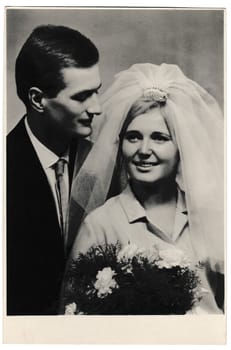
110,280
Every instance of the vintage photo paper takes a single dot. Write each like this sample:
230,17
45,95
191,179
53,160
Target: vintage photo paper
193,39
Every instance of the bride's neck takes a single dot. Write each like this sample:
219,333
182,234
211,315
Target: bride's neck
159,193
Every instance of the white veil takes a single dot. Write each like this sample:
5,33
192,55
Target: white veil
196,124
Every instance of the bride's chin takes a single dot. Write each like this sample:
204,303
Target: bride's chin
153,184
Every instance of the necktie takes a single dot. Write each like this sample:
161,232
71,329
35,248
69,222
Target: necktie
62,194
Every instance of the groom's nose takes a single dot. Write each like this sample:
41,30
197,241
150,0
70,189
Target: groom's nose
94,105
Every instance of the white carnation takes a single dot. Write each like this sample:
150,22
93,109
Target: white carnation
170,257
70,309
128,252
105,282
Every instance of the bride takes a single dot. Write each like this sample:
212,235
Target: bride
159,156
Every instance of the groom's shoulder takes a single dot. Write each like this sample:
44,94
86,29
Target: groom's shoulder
17,134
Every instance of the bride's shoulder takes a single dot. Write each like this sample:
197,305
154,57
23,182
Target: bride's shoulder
109,207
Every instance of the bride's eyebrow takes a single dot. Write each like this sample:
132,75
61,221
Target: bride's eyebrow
153,132
132,131
161,133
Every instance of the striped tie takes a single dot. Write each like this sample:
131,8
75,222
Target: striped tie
62,194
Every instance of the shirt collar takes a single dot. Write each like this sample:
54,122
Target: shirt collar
181,203
131,206
46,156
181,218
135,211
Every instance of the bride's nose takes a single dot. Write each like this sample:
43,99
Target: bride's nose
145,148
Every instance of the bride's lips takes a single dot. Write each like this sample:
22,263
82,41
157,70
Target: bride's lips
144,165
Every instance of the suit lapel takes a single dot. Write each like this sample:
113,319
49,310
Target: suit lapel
35,180
32,176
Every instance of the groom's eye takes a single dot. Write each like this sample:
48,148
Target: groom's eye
82,96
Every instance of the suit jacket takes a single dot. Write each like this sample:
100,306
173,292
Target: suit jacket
35,249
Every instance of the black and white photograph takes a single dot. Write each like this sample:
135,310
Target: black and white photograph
115,169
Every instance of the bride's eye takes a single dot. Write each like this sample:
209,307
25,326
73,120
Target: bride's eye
160,137
133,136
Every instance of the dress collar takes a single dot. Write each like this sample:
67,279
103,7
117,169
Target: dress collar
136,212
131,206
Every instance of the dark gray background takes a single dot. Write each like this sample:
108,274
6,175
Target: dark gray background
193,39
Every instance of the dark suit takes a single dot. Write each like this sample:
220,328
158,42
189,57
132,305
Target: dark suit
35,250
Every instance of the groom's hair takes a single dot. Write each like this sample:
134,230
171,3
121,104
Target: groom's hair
47,50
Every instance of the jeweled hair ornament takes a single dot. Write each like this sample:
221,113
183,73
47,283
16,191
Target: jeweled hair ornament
156,94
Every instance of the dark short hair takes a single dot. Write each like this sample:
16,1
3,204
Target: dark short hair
47,50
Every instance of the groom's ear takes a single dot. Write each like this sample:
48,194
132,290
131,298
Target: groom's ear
35,96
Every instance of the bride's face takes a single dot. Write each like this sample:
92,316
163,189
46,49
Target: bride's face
148,150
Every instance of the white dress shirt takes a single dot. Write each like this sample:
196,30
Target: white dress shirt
47,159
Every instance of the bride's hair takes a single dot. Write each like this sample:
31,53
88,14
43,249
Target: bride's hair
140,106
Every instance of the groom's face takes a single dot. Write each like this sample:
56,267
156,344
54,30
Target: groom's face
71,111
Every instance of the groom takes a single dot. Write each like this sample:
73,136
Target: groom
57,78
